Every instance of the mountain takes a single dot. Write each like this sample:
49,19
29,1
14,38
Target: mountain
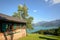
39,23
52,23
48,24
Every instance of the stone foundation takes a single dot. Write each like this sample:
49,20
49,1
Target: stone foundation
17,34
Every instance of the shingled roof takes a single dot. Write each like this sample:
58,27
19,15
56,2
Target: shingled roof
10,18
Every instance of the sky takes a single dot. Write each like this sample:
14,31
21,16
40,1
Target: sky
40,10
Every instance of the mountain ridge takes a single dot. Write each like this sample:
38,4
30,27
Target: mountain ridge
48,24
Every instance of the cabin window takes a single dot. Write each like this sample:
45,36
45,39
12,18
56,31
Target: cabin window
0,27
15,26
9,27
18,26
4,27
21,25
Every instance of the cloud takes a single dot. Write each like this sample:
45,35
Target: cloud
52,1
34,10
56,1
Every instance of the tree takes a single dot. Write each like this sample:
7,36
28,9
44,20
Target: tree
25,12
58,31
18,13
22,13
29,24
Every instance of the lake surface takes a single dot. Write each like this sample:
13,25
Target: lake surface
40,28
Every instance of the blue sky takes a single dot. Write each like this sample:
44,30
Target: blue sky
40,10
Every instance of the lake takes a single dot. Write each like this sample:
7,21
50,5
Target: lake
40,28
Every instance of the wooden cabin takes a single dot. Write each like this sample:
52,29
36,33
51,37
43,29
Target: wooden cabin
7,23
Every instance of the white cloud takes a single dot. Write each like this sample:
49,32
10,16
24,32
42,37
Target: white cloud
56,1
53,1
34,10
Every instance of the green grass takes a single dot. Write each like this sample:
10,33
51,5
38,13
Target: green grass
38,37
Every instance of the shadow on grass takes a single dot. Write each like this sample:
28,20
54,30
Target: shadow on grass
47,38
